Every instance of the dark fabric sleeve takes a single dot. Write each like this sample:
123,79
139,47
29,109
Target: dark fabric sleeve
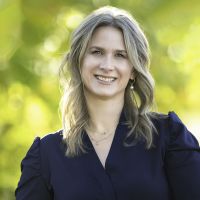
182,161
32,185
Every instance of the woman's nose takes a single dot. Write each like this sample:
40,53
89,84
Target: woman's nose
107,63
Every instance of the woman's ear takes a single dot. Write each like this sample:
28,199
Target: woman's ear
133,74
132,77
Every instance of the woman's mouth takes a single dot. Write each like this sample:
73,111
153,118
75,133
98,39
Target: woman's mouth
106,79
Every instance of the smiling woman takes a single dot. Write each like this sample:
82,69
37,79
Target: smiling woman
106,69
111,147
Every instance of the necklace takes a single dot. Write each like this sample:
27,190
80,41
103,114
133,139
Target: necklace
97,142
104,135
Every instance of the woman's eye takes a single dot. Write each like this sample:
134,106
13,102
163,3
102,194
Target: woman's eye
97,52
121,55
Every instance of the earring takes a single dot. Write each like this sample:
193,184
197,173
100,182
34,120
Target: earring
132,84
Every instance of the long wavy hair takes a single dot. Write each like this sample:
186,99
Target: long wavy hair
137,103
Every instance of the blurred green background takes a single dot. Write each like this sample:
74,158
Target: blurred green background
34,36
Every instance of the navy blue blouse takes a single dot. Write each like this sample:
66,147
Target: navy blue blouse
169,171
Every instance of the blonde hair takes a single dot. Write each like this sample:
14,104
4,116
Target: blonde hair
137,104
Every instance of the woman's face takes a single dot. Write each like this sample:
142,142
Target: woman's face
106,69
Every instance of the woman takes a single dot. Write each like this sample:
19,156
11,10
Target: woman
111,146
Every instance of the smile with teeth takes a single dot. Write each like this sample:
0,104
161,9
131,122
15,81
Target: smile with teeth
105,79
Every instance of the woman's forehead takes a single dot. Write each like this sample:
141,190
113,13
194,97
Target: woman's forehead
105,36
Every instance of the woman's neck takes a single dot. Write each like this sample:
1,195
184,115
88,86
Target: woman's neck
104,114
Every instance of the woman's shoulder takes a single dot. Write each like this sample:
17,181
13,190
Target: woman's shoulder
173,131
42,146
35,166
51,144
51,138
168,125
165,120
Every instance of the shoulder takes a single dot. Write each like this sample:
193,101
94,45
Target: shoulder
168,121
173,131
43,150
41,147
51,138
36,167
51,145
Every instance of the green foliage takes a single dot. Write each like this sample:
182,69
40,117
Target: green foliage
34,37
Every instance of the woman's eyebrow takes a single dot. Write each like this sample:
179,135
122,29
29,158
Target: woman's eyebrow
122,51
96,47
101,48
